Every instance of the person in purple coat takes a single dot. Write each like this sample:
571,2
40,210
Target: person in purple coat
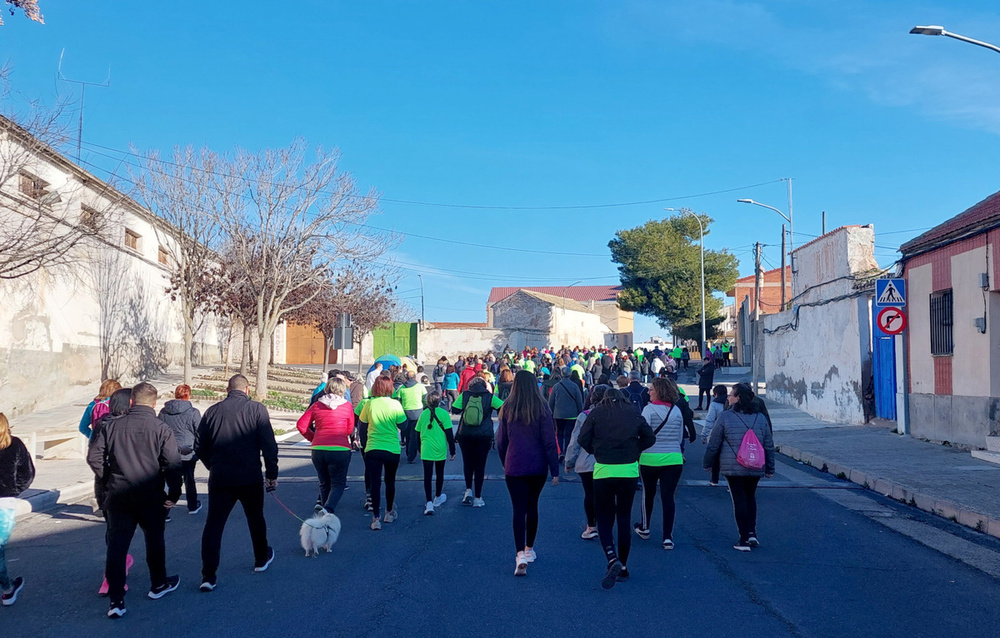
526,442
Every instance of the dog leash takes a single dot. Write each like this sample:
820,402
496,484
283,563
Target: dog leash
285,507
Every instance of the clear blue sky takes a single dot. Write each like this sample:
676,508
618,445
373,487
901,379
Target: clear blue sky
553,104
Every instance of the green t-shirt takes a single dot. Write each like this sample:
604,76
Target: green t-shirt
656,459
433,440
579,369
411,398
616,470
529,365
383,416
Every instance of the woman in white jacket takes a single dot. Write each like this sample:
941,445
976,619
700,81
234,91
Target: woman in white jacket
664,461
579,460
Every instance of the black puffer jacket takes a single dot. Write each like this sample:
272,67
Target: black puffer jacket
16,469
233,436
183,418
615,434
134,455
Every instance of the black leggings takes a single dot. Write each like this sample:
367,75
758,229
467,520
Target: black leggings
587,478
707,392
564,430
668,477
429,467
613,499
375,461
744,492
524,493
475,450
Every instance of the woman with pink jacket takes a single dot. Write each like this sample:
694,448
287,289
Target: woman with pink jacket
328,425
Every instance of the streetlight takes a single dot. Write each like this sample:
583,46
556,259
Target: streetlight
701,228
791,237
938,30
579,281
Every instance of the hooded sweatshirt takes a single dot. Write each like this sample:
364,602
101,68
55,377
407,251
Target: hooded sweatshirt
328,423
183,418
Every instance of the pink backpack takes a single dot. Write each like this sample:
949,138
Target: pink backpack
751,452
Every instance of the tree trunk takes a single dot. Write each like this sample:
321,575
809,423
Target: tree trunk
245,361
361,347
188,345
326,352
263,360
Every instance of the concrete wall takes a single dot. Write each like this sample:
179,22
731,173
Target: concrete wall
432,344
919,286
964,420
574,328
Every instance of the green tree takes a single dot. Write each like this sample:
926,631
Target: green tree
660,268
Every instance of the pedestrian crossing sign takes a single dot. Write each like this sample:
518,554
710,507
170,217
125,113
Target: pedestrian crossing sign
890,293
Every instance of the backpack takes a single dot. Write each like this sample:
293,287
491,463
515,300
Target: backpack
473,413
751,452
634,397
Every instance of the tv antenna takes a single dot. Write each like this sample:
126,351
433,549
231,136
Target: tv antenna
83,94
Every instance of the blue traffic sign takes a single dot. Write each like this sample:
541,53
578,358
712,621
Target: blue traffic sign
890,293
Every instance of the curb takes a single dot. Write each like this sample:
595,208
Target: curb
897,491
49,499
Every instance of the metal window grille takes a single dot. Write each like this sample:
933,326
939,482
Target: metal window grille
942,323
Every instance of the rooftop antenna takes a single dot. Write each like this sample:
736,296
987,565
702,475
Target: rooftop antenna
83,94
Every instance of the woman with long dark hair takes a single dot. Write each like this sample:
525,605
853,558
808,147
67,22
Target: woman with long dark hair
382,416
616,434
475,435
436,444
663,462
726,438
526,443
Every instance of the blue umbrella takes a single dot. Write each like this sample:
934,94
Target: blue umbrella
386,360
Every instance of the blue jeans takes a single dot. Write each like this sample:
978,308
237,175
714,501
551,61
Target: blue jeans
6,527
331,469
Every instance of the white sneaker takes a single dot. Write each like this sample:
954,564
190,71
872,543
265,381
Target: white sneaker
530,555
439,501
478,502
467,499
589,534
429,508
390,516
520,565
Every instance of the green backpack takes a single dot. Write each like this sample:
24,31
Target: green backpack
472,415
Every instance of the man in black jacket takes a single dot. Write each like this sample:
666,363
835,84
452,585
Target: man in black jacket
133,456
232,437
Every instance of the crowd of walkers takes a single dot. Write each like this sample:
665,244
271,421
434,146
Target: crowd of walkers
617,419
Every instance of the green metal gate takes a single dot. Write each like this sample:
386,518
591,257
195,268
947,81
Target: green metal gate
398,338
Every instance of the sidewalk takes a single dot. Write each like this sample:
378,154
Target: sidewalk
932,477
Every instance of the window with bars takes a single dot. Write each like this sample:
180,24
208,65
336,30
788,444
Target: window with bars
942,321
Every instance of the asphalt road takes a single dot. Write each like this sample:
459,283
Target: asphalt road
828,566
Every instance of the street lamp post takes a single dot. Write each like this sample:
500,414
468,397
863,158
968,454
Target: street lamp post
580,281
701,228
791,240
938,30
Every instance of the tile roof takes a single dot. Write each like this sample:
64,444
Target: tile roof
452,325
577,293
982,217
556,300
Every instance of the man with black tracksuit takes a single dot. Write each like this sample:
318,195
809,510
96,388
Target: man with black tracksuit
133,456
232,437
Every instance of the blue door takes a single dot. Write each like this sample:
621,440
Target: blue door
884,370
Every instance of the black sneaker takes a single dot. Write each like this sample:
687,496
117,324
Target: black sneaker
117,609
260,567
168,586
197,508
640,531
753,542
623,576
207,584
615,568
167,518
9,598
742,546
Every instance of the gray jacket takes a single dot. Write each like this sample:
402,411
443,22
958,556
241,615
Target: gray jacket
727,435
576,456
183,418
566,400
668,439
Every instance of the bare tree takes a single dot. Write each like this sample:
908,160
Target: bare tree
191,192
46,208
302,220
372,306
29,7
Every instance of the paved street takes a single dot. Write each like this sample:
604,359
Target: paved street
828,566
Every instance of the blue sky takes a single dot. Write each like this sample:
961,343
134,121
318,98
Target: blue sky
561,103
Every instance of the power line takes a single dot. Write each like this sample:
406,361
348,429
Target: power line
478,206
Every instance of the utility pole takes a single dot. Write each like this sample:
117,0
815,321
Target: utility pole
756,315
783,296
83,95
421,300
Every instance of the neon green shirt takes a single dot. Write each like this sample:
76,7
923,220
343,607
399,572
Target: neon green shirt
654,459
616,470
383,416
411,398
433,440
529,365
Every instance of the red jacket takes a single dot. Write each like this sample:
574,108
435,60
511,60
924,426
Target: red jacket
463,380
333,418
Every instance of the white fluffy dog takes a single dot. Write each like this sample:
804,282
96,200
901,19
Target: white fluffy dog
319,532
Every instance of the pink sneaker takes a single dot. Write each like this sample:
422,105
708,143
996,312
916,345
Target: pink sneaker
129,561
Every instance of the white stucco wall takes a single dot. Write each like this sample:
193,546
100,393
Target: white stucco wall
432,344
970,366
919,282
572,328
